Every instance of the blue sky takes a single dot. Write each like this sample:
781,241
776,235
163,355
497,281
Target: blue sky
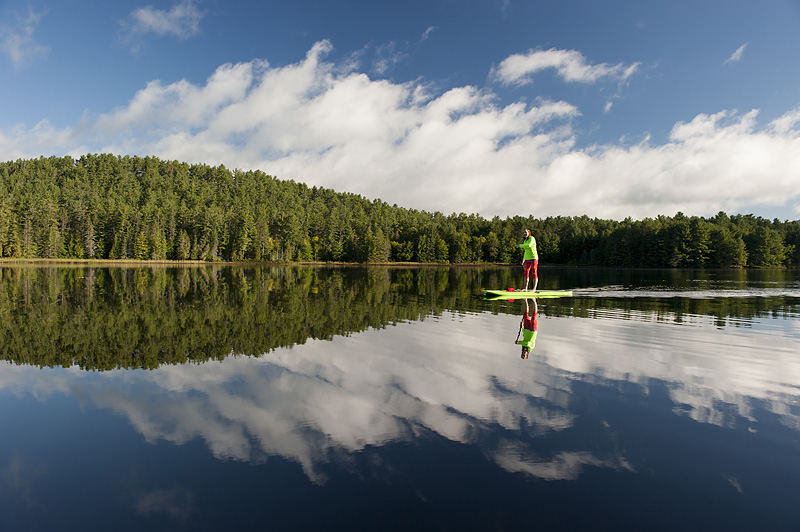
499,107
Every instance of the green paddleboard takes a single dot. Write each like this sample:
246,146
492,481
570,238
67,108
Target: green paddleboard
523,294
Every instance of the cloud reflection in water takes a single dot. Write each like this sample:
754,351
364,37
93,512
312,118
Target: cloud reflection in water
458,376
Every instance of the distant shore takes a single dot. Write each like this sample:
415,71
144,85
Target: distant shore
196,263
136,262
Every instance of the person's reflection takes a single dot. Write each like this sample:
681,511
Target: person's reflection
528,327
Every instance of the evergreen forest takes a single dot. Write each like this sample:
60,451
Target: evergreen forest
103,206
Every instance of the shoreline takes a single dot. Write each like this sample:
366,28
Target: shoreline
6,261
137,262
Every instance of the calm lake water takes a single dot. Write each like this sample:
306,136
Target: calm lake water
280,398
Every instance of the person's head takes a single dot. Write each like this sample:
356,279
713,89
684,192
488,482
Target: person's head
526,233
525,351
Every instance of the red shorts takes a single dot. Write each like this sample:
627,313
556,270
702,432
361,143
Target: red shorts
529,266
530,322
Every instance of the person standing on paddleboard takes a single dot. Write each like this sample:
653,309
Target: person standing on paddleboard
530,260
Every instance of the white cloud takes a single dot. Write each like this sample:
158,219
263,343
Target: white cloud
457,151
181,102
17,41
427,33
737,55
182,21
387,56
571,65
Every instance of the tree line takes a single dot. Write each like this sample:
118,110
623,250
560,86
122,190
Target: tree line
102,206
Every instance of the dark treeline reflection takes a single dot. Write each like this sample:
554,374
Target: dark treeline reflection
108,318
142,317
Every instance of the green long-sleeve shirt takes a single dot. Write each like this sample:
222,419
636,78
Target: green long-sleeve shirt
530,249
528,339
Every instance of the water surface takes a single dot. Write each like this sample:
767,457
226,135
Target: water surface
252,398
